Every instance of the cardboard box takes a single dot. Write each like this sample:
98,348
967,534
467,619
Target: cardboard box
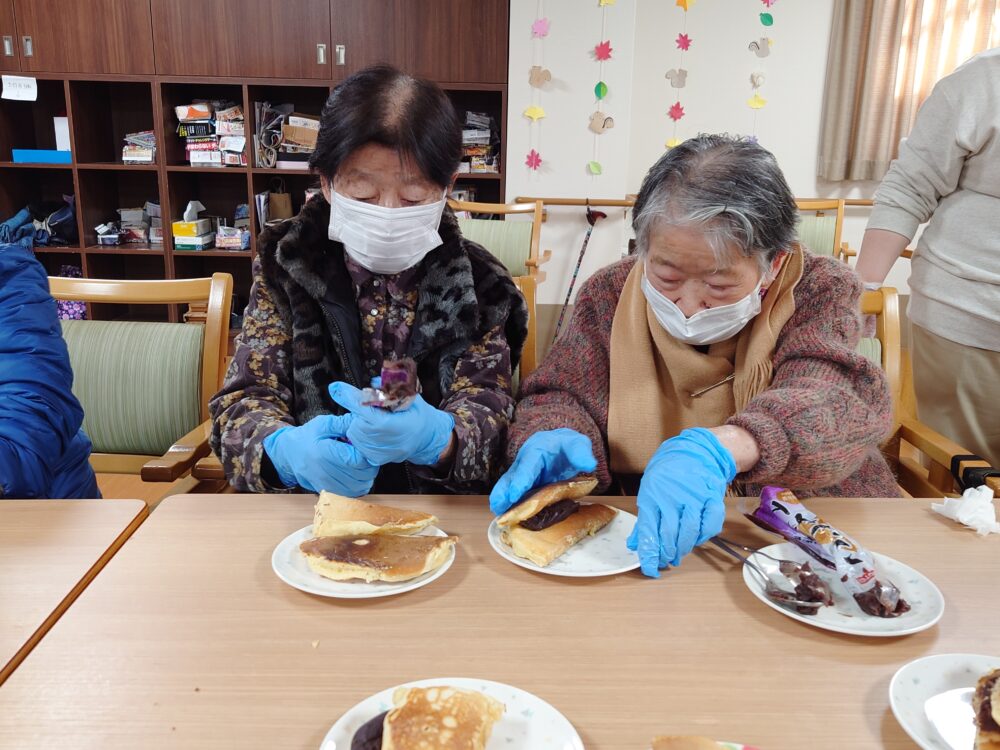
135,234
133,215
201,111
155,235
196,228
205,158
299,135
304,121
194,243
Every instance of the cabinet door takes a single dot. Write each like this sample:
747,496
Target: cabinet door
368,32
9,42
455,41
243,38
85,36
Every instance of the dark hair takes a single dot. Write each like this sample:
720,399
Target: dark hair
385,106
731,188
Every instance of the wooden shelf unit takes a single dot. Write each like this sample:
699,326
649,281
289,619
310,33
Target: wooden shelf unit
102,108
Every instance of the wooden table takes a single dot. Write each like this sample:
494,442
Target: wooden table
50,550
188,639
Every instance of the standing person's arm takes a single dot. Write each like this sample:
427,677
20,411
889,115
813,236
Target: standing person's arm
929,167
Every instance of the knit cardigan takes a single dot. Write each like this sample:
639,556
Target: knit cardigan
819,424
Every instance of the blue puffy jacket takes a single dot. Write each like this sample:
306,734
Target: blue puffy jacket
43,451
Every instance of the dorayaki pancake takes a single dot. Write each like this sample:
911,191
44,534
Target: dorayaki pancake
344,516
440,718
684,743
570,489
986,705
379,557
542,547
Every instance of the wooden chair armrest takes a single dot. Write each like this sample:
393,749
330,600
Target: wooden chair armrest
180,457
907,253
941,450
209,469
545,257
846,251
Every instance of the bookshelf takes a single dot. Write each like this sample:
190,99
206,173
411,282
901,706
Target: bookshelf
102,108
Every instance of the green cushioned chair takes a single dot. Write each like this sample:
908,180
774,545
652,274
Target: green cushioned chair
138,383
820,224
921,457
516,244
145,386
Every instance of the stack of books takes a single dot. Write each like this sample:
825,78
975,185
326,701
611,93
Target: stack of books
139,148
477,150
213,133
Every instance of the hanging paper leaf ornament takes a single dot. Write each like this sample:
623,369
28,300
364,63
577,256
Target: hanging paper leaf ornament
769,3
534,112
540,28
600,90
595,167
767,19
602,3
674,142
685,4
676,112
534,160
683,42
756,101
538,76
603,51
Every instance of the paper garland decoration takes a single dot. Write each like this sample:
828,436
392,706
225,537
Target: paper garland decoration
600,122
678,75
538,77
540,28
761,48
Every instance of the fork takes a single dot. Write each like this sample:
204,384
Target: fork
771,591
787,568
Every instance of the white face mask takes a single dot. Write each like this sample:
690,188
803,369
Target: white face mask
385,240
707,326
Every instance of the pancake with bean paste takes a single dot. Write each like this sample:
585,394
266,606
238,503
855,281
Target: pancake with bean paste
986,704
336,515
550,521
431,718
378,557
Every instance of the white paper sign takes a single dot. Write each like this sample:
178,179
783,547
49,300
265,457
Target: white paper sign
21,88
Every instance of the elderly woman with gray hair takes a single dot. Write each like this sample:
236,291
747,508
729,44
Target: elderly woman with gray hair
722,353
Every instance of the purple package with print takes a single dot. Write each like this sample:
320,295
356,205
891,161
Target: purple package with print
780,512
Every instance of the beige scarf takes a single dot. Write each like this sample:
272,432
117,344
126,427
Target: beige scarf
660,386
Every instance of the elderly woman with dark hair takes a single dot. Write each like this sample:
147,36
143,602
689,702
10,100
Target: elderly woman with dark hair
721,353
375,268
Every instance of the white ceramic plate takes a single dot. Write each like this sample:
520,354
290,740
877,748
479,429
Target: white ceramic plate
932,699
527,722
845,616
603,554
291,567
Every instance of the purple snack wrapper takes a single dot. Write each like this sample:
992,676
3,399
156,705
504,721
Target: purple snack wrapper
780,512
398,387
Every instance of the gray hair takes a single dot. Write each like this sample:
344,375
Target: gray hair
731,189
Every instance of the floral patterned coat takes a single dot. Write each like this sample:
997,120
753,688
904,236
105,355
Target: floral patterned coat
302,331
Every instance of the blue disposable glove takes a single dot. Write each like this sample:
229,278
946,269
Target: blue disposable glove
310,456
544,458
681,498
418,434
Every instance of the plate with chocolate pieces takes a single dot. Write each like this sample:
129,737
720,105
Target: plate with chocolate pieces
552,531
916,603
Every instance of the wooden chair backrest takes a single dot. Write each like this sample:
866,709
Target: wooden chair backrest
537,212
214,293
820,207
884,305
529,354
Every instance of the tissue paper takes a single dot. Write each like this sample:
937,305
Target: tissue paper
973,509
192,210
